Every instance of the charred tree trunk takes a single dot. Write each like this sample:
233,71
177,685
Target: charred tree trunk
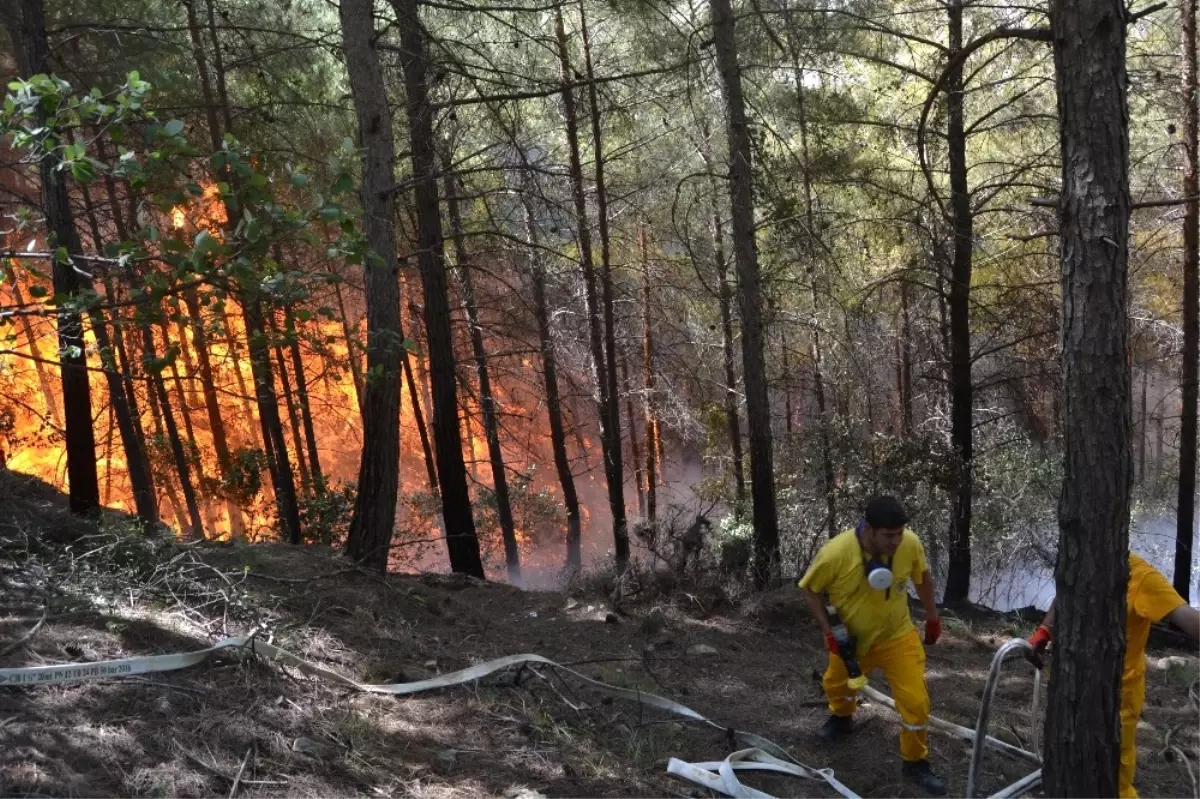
26,23
182,467
212,407
1082,718
635,449
268,411
132,440
610,399
302,399
725,302
648,376
461,538
415,392
491,426
1185,534
352,344
289,402
35,349
596,338
758,410
558,440
379,470
958,578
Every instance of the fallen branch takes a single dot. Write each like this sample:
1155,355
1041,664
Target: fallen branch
20,642
237,780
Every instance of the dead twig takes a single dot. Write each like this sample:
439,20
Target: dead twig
237,780
24,639
218,773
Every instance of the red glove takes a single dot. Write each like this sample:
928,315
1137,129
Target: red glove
832,644
1039,641
933,630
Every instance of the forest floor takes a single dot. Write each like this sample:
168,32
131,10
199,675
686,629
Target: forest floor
260,729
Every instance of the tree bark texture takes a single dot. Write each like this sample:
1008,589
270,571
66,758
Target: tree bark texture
1185,535
374,517
750,303
26,23
491,425
1082,721
958,576
461,538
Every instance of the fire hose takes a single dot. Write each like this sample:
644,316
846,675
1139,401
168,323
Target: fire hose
762,754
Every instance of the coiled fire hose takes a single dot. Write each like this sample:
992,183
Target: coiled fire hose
762,754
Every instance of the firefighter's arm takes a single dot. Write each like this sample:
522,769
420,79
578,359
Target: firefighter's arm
933,621
1187,619
816,604
1041,638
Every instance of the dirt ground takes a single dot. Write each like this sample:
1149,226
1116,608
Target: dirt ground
280,732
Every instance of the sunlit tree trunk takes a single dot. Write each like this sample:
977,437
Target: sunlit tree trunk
1083,730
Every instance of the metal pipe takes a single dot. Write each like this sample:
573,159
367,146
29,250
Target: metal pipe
985,708
1020,787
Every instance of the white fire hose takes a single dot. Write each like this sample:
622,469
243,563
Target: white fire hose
762,754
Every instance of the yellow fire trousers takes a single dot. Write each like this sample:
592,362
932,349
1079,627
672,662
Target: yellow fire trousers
902,661
1133,696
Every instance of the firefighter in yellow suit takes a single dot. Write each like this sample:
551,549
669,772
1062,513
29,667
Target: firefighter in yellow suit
1149,598
865,572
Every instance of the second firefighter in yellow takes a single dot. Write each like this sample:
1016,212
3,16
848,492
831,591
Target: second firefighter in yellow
1149,598
864,572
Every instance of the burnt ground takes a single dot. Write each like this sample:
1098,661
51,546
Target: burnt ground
192,732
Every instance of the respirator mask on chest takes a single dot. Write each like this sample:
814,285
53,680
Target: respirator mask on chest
878,571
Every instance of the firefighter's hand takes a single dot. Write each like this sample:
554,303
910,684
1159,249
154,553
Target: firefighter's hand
1039,641
832,644
933,630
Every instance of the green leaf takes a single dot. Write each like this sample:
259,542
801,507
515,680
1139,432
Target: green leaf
174,127
38,291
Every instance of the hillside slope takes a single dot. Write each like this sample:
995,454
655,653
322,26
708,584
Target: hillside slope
193,732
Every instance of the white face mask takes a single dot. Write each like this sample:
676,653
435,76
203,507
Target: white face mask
880,578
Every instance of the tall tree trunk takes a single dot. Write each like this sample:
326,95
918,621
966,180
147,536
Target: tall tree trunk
491,426
596,337
302,399
725,302
167,484
1082,718
212,407
635,450
1143,429
463,544
650,380
1185,533
268,413
26,23
906,363
132,441
416,389
786,379
611,407
35,350
558,442
758,410
352,344
414,396
958,578
182,467
289,402
379,470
